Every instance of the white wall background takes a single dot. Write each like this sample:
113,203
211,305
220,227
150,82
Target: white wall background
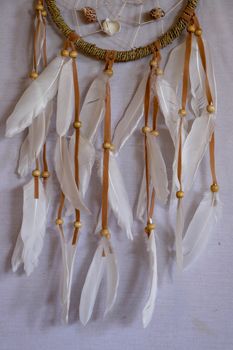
194,310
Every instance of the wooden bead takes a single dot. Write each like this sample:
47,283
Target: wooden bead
39,7
77,224
109,72
210,109
146,129
77,125
107,145
214,188
154,132
59,221
153,63
105,233
45,174
179,194
44,13
159,71
36,173
191,28
65,53
73,54
182,112
198,32
149,227
34,75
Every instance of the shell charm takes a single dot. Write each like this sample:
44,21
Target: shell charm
111,27
157,13
89,14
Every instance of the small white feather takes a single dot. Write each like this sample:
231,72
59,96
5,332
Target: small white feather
158,169
150,304
65,99
35,98
200,227
65,175
17,258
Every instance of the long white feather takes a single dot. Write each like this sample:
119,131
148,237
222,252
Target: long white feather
65,175
93,107
158,170
65,99
141,207
92,283
150,304
200,227
132,116
35,98
179,234
30,240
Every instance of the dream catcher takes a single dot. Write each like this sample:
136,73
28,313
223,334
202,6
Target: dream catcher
184,92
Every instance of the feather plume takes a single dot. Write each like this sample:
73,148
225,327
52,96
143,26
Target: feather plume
103,260
65,175
132,116
30,240
93,107
179,233
150,304
65,99
157,169
200,227
35,98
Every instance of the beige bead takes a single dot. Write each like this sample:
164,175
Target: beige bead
39,7
77,124
73,54
179,194
210,109
214,188
107,145
153,63
149,227
77,224
44,13
34,75
105,233
65,53
154,132
36,173
109,72
191,28
182,112
45,174
159,71
146,129
59,221
198,32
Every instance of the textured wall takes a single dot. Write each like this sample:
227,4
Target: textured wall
194,310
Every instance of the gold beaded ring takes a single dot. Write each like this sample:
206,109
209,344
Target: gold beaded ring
90,49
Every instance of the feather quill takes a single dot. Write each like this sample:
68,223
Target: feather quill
150,304
179,234
40,38
200,227
35,99
112,279
141,208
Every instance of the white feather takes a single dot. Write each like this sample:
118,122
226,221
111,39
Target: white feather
65,99
179,234
132,116
93,107
30,241
65,175
150,304
35,98
92,283
158,170
112,279
141,203
200,227
40,38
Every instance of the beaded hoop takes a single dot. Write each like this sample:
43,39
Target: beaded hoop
92,50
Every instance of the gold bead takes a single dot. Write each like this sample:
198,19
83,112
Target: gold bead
107,145
179,194
77,224
159,71
154,132
153,63
210,109
77,124
182,112
214,187
146,129
44,13
109,72
105,233
149,227
34,75
73,54
36,173
198,32
65,53
45,174
59,221
191,28
39,7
